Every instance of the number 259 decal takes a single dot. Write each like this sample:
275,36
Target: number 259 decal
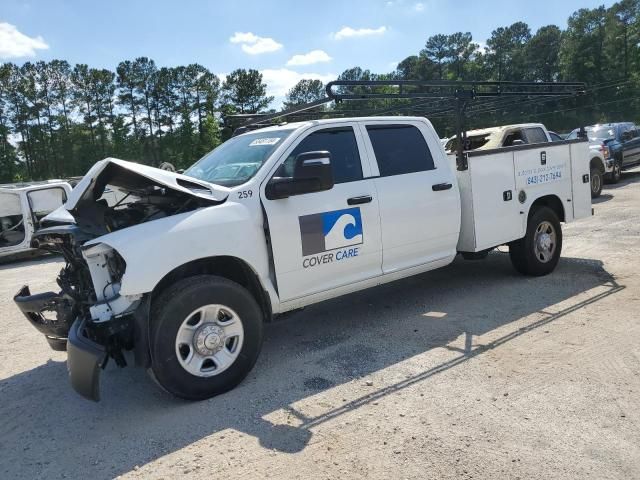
245,194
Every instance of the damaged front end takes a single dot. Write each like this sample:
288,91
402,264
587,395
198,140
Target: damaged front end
88,317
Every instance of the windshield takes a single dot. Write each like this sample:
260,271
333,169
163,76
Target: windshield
238,159
595,134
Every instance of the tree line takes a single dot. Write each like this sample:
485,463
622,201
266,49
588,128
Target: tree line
56,119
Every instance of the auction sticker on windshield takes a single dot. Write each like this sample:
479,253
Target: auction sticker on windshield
258,142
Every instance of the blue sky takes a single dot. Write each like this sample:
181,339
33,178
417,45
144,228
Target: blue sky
286,39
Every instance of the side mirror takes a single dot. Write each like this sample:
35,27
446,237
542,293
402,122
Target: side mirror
312,173
517,142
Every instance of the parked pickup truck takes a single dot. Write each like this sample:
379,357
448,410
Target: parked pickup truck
503,136
619,144
185,268
22,207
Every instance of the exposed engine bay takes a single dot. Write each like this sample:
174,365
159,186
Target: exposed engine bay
119,199
89,308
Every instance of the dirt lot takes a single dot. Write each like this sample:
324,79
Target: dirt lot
470,371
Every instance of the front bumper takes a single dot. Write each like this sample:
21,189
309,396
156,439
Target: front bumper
85,358
38,309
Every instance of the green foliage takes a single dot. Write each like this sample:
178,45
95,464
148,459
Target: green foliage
305,91
245,90
56,120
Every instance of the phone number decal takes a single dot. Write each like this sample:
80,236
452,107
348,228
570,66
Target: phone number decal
544,178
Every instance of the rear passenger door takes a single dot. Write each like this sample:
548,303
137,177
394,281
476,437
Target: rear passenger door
417,194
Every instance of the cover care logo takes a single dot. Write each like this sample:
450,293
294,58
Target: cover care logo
322,232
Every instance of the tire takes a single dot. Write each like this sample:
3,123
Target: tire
616,174
596,182
57,344
193,307
526,256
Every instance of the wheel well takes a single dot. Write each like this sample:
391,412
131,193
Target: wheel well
597,163
231,268
550,201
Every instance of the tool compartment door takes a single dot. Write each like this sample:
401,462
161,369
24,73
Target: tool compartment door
496,215
581,191
542,172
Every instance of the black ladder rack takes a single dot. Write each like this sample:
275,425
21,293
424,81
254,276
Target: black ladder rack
425,98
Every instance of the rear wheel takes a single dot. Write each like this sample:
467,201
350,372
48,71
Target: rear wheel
206,337
596,182
538,252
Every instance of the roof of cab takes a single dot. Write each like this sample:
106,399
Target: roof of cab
16,187
324,121
503,128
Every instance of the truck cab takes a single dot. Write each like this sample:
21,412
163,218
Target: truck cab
184,269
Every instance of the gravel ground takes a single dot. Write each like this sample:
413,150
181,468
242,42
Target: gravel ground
471,371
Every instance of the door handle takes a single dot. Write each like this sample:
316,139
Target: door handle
438,187
359,200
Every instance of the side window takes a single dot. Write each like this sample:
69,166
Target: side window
535,135
400,149
45,201
341,143
623,129
555,137
513,136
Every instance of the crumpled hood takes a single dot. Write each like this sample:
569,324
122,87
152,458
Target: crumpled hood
175,181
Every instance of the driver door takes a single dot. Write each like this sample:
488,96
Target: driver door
329,239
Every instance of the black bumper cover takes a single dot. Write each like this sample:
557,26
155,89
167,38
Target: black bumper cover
85,359
34,308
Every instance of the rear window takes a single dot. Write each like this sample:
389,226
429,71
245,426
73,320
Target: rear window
400,149
472,142
535,135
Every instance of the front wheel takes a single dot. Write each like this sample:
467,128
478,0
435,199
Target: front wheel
596,182
206,335
539,251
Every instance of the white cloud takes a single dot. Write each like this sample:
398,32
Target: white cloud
279,81
482,46
348,32
314,56
14,44
419,7
255,45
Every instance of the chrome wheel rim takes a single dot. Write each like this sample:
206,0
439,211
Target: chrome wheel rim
595,183
544,242
209,340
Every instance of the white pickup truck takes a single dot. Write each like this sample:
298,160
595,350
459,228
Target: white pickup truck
185,269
